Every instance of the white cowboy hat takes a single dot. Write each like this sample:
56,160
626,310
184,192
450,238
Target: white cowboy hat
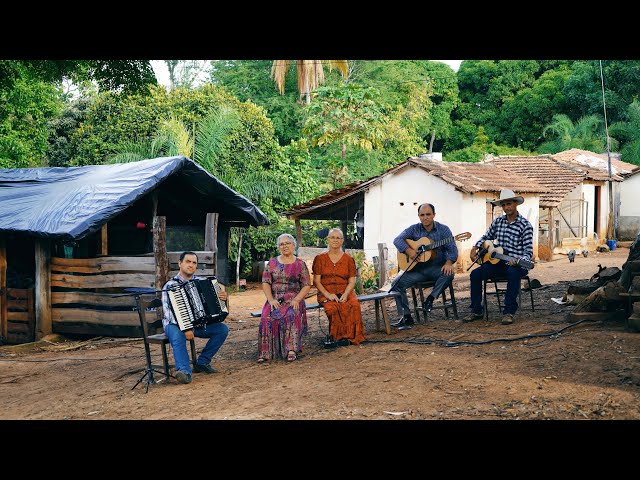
506,194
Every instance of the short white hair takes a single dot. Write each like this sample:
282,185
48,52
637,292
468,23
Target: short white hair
336,229
290,237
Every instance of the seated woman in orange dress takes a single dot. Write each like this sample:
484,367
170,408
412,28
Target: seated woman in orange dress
335,278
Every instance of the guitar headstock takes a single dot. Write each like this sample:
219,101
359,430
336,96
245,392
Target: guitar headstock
463,236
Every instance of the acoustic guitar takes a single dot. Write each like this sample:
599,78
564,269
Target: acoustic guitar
496,253
427,246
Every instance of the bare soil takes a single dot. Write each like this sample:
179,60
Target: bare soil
444,369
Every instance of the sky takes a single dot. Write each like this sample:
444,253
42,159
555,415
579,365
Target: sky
162,73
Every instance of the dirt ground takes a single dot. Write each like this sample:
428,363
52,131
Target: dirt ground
587,371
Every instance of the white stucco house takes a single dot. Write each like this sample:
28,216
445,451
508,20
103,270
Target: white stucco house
389,202
629,218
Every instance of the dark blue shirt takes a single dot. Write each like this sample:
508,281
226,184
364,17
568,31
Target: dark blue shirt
439,231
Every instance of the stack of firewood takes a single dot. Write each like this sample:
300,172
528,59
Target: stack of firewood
618,294
634,296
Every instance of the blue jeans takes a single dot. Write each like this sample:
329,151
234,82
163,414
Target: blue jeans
513,274
423,272
215,332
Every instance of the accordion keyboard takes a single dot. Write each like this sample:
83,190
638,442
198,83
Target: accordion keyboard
181,309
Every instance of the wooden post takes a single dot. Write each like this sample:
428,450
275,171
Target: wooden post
299,233
382,255
160,251
104,241
43,288
552,232
211,238
3,290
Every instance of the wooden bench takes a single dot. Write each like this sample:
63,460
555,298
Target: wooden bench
379,299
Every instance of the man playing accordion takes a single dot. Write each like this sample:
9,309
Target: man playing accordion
215,332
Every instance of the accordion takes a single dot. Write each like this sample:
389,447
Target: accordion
196,303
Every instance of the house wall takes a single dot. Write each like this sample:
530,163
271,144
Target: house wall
392,205
629,220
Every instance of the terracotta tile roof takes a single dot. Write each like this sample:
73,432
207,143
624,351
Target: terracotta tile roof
596,164
559,178
464,176
477,177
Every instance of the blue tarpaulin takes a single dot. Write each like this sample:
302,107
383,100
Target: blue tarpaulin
69,203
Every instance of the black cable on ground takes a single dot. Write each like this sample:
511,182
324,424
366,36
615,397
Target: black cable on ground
447,343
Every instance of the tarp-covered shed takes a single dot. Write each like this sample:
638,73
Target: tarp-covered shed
73,239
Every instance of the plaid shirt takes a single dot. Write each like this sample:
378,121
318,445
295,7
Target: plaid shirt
167,314
438,232
516,238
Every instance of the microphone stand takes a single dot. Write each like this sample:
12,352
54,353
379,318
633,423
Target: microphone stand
481,253
421,249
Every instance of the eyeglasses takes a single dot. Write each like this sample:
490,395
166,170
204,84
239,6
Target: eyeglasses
335,238
284,244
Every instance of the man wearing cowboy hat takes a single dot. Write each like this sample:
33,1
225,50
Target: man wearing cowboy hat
514,234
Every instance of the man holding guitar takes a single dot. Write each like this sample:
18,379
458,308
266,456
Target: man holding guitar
438,267
512,233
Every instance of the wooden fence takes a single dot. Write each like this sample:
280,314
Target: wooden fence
89,295
21,317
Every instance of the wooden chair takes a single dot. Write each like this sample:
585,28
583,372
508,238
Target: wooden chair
501,279
446,304
149,324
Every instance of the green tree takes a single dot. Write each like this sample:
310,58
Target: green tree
59,150
26,107
583,89
523,117
487,85
115,75
345,116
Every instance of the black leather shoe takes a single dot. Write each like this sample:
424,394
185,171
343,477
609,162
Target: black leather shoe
398,323
427,306
343,342
404,323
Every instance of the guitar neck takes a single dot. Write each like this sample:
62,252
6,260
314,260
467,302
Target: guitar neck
508,258
439,243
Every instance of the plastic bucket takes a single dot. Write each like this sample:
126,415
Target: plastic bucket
612,244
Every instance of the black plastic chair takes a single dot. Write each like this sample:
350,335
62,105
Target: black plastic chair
149,324
446,303
501,279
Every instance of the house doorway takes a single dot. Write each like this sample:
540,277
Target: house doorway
596,211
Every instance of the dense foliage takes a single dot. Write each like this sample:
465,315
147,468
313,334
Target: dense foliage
280,151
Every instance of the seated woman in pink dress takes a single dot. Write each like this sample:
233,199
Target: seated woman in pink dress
283,323
335,278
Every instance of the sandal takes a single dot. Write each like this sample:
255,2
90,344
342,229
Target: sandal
291,356
262,360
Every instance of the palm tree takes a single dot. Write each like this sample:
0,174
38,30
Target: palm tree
630,132
586,134
310,74
204,146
